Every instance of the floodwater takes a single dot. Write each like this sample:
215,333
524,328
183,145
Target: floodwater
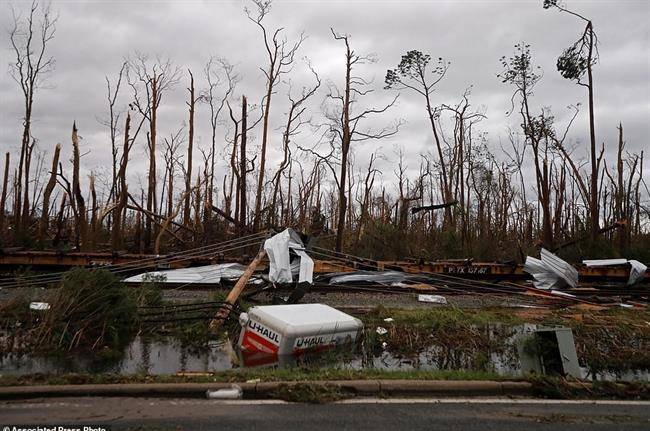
170,356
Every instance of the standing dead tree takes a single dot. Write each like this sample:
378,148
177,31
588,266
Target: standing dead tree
242,164
190,144
292,127
149,84
79,203
30,38
49,188
122,193
3,197
241,127
217,72
112,123
520,72
345,126
171,146
463,121
368,184
413,73
574,62
280,58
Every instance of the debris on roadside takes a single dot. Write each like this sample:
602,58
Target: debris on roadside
40,306
381,330
207,274
235,392
388,278
637,269
295,329
435,299
279,249
549,351
551,272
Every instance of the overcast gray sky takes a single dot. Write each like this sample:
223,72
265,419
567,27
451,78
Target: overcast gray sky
94,37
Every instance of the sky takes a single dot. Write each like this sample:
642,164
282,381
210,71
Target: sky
93,39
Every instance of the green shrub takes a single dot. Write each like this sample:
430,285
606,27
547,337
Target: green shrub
92,309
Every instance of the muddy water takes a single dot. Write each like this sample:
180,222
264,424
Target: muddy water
156,357
170,356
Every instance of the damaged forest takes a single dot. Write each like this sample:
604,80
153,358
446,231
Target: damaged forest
470,196
319,207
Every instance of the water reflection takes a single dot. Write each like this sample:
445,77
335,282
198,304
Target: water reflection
156,356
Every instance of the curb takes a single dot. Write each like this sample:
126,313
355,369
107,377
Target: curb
261,390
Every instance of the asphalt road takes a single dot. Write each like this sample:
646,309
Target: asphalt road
377,415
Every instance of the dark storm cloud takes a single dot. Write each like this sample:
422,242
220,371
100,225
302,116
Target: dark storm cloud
94,37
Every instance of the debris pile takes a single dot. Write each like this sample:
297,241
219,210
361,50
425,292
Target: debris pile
208,274
280,249
550,272
637,269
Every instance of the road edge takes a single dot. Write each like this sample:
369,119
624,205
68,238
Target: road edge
265,390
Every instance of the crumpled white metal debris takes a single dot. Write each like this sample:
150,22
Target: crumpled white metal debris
208,274
637,269
381,331
551,272
235,392
436,299
278,249
41,306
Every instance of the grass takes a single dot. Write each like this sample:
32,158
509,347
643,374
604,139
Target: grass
244,375
441,316
558,388
311,393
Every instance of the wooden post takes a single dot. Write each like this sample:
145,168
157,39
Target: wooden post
232,297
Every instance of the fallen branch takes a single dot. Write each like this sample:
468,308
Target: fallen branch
416,210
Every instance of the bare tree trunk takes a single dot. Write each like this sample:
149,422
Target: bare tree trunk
593,210
49,188
151,187
116,234
345,149
621,214
280,60
28,162
29,40
260,178
343,129
94,229
197,209
59,221
242,165
81,224
3,198
190,143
